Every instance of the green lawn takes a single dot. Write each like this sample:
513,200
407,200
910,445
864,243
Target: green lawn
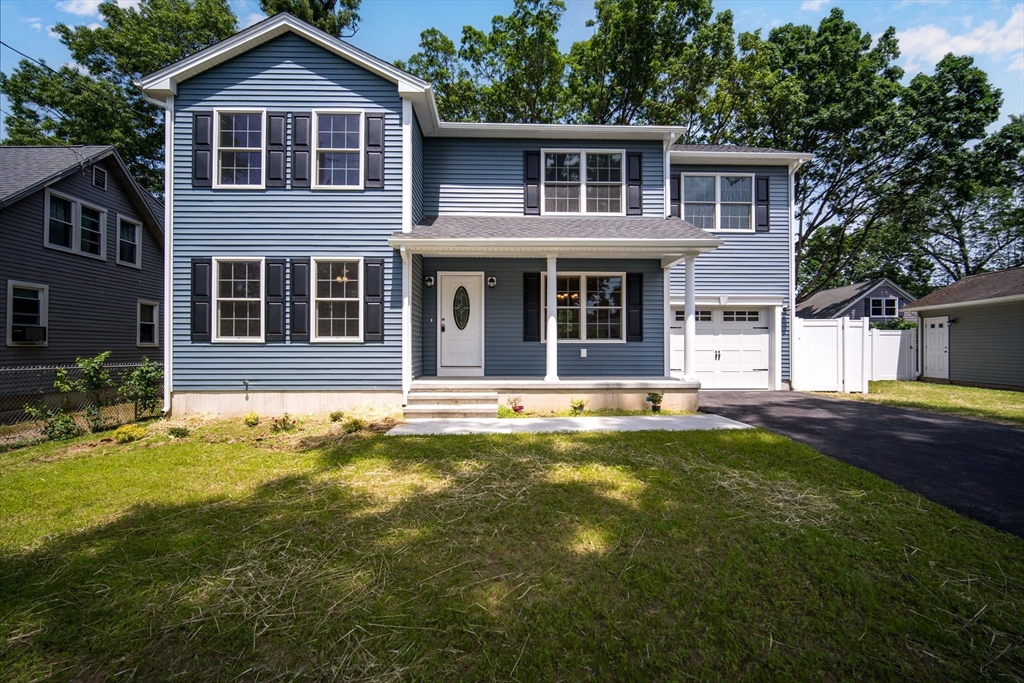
235,553
993,405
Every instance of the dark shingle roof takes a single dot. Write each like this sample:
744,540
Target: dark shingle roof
1001,283
23,168
731,148
828,303
555,227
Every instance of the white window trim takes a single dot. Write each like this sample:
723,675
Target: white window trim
314,337
106,177
76,225
871,307
718,198
217,185
583,308
215,332
315,162
138,242
583,182
44,310
138,323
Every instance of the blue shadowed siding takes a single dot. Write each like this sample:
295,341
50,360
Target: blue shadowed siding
748,263
505,352
416,303
286,74
485,176
986,345
417,170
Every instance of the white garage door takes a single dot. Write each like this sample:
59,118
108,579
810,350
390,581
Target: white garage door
732,347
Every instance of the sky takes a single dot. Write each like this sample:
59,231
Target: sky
992,31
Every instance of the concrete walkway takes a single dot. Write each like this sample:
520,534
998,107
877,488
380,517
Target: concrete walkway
626,423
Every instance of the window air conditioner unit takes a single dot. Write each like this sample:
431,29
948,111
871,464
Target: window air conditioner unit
28,333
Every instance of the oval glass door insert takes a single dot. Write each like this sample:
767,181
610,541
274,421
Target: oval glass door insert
460,307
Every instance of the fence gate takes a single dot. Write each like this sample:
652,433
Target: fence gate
832,355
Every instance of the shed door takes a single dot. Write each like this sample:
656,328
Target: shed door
936,348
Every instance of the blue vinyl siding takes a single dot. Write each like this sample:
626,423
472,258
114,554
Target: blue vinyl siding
416,304
748,263
417,170
505,352
485,176
286,74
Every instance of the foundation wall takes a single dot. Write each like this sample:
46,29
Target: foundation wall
614,399
236,403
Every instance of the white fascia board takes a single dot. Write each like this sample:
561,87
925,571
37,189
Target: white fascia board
734,300
604,248
563,131
967,304
747,158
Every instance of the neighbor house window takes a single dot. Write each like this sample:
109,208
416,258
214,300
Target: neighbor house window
339,144
884,308
239,143
583,182
148,323
719,202
338,293
129,242
589,307
27,306
72,225
239,300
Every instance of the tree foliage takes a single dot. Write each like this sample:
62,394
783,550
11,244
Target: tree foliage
337,17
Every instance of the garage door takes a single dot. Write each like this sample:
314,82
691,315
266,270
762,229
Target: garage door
732,347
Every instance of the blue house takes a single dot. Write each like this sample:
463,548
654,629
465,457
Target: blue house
334,243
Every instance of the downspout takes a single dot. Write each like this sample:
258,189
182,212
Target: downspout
791,175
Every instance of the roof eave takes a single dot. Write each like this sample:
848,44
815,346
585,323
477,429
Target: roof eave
556,130
558,245
751,158
964,304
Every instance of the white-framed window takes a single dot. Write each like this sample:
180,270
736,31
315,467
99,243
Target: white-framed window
887,307
239,291
699,316
722,202
338,136
99,178
129,242
239,139
591,307
148,323
337,299
27,313
74,226
741,316
582,181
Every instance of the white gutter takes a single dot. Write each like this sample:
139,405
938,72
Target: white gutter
753,158
968,304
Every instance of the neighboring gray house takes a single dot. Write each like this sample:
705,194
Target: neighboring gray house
335,243
81,258
878,300
972,331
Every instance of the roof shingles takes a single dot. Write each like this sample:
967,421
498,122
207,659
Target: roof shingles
555,227
25,167
1002,283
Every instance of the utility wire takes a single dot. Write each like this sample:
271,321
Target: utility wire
81,159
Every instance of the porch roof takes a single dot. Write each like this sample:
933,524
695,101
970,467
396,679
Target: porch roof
570,235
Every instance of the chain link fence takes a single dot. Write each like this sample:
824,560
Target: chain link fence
28,394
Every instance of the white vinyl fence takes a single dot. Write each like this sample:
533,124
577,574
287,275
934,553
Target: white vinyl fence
844,355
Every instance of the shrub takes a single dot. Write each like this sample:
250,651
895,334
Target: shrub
578,404
353,424
129,433
505,411
251,419
894,324
337,416
142,387
655,398
58,425
178,432
284,424
95,378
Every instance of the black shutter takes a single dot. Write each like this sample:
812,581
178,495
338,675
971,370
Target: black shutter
634,184
302,133
300,300
202,149
374,151
201,315
634,307
373,307
531,307
675,207
273,307
531,183
761,204
276,149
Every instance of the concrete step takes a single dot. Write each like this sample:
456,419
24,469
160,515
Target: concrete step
450,410
452,397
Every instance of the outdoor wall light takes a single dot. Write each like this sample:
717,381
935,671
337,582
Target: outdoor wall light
491,282
428,281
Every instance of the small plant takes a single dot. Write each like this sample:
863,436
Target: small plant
506,412
353,424
95,379
129,433
578,405
285,423
337,416
58,425
178,432
515,403
251,419
894,324
655,399
142,387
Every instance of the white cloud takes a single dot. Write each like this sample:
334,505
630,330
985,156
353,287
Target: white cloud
813,5
34,22
1018,63
82,8
50,33
253,18
77,67
929,44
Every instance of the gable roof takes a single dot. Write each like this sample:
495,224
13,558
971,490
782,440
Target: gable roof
973,289
24,170
754,156
829,303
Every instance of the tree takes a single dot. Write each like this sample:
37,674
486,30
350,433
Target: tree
98,103
438,63
337,17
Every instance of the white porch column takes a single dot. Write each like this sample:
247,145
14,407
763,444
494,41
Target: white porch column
552,321
690,327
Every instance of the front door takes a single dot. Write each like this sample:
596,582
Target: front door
936,347
461,324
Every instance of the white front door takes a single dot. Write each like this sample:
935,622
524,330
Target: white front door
936,347
732,347
460,324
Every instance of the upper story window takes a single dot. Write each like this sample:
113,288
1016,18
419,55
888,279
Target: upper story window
239,144
884,308
129,242
583,182
339,149
590,306
72,225
238,294
719,202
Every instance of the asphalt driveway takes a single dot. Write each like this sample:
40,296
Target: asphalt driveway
973,467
